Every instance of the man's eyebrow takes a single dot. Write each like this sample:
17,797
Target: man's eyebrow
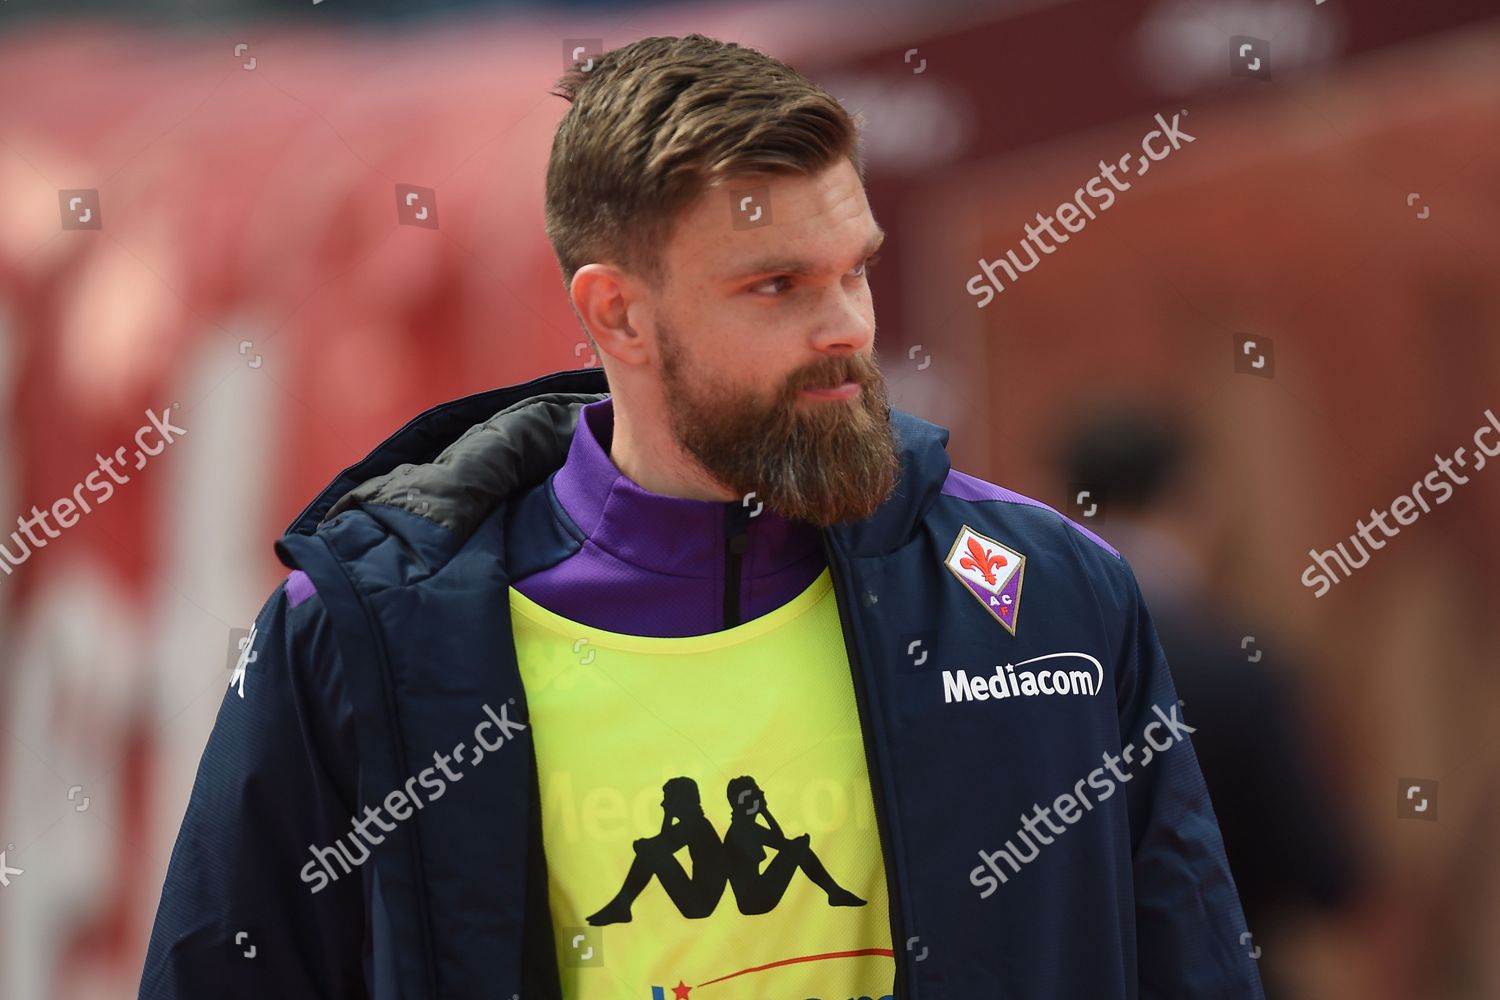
797,266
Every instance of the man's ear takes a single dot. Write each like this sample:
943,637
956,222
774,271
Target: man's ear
603,296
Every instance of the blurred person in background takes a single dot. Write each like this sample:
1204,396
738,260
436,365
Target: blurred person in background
1289,841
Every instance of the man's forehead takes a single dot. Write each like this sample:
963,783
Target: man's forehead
813,223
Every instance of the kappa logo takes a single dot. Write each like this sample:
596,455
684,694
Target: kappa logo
247,657
991,571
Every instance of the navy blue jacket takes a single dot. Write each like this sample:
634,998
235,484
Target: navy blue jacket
404,634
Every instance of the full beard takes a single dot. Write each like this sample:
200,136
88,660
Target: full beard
823,461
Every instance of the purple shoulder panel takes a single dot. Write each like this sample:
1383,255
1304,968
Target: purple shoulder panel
299,587
966,487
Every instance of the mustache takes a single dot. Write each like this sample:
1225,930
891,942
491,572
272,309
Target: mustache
860,370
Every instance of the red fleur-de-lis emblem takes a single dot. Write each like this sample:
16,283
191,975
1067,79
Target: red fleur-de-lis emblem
985,561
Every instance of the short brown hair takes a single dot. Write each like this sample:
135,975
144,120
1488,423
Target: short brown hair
654,122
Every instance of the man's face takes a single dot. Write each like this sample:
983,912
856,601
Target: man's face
750,319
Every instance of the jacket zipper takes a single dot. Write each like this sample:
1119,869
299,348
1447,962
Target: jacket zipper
735,543
877,790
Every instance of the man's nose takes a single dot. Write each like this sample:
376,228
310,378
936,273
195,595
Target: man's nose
848,322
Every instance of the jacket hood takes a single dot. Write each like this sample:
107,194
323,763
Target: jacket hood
454,463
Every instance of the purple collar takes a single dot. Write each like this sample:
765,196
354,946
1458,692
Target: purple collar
665,534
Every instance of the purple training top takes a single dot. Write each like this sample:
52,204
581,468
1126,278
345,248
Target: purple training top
656,565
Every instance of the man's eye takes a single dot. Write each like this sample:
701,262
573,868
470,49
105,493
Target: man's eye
777,288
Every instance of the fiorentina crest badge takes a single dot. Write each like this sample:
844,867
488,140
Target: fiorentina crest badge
991,571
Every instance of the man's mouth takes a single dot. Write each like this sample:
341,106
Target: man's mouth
840,390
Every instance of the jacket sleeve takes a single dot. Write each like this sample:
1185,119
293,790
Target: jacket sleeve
1192,942
245,910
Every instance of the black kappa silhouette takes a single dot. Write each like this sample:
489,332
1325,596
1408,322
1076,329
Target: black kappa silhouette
734,861
683,825
757,891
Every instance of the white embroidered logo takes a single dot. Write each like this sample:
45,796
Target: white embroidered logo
247,657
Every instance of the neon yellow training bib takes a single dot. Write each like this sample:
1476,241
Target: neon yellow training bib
706,809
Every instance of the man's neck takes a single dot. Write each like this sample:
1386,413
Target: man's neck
657,463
